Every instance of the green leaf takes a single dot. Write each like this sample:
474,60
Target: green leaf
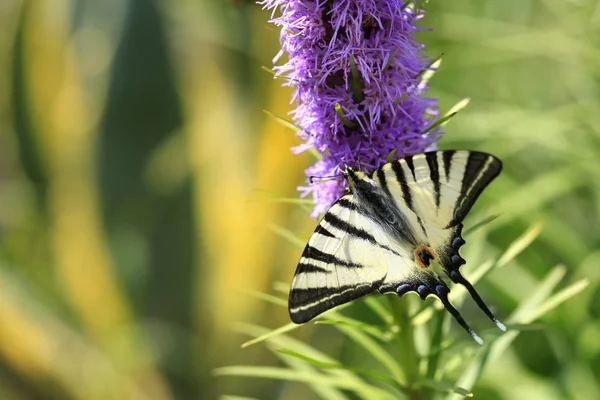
379,309
315,153
536,306
480,224
520,244
446,387
357,85
301,347
371,374
373,348
283,121
438,122
370,329
399,99
288,235
559,298
306,377
390,157
281,330
458,106
390,59
267,297
340,113
427,73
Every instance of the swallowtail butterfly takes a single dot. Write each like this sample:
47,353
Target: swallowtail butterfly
383,234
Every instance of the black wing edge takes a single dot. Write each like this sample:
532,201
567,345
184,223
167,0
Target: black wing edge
333,297
451,262
473,182
430,285
478,175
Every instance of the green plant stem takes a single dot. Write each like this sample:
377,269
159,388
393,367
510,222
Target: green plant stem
435,350
405,346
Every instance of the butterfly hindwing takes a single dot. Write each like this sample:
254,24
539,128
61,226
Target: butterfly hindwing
436,190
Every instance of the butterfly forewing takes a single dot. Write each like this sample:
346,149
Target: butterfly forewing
341,262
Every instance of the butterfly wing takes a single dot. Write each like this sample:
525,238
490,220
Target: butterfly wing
435,191
345,258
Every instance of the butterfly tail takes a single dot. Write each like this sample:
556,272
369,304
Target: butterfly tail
456,277
442,293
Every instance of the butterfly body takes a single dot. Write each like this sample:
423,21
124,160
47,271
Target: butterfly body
384,234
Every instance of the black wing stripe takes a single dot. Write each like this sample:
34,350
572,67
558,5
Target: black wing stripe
321,230
343,202
411,166
383,181
312,253
354,231
447,156
401,178
344,226
434,175
304,267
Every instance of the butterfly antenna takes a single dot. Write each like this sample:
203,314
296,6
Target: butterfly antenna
442,293
458,278
312,178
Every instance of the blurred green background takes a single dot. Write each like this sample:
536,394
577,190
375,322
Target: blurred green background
137,172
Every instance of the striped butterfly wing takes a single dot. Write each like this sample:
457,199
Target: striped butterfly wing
347,257
435,191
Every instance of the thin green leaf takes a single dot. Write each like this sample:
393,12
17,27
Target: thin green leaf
480,224
288,235
399,99
520,244
281,330
377,351
315,153
427,73
300,376
229,397
287,200
283,121
375,305
459,106
438,122
340,113
357,85
303,348
368,373
370,329
266,297
390,156
525,327
445,387
270,71
390,59
310,360
560,298
539,303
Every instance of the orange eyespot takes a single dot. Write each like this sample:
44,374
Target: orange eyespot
424,255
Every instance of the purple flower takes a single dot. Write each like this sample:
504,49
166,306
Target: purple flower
357,71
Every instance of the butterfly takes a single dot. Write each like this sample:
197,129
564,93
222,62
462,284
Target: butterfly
384,233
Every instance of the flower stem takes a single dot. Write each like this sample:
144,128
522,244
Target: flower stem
405,346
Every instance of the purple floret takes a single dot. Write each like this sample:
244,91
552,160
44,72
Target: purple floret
362,56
